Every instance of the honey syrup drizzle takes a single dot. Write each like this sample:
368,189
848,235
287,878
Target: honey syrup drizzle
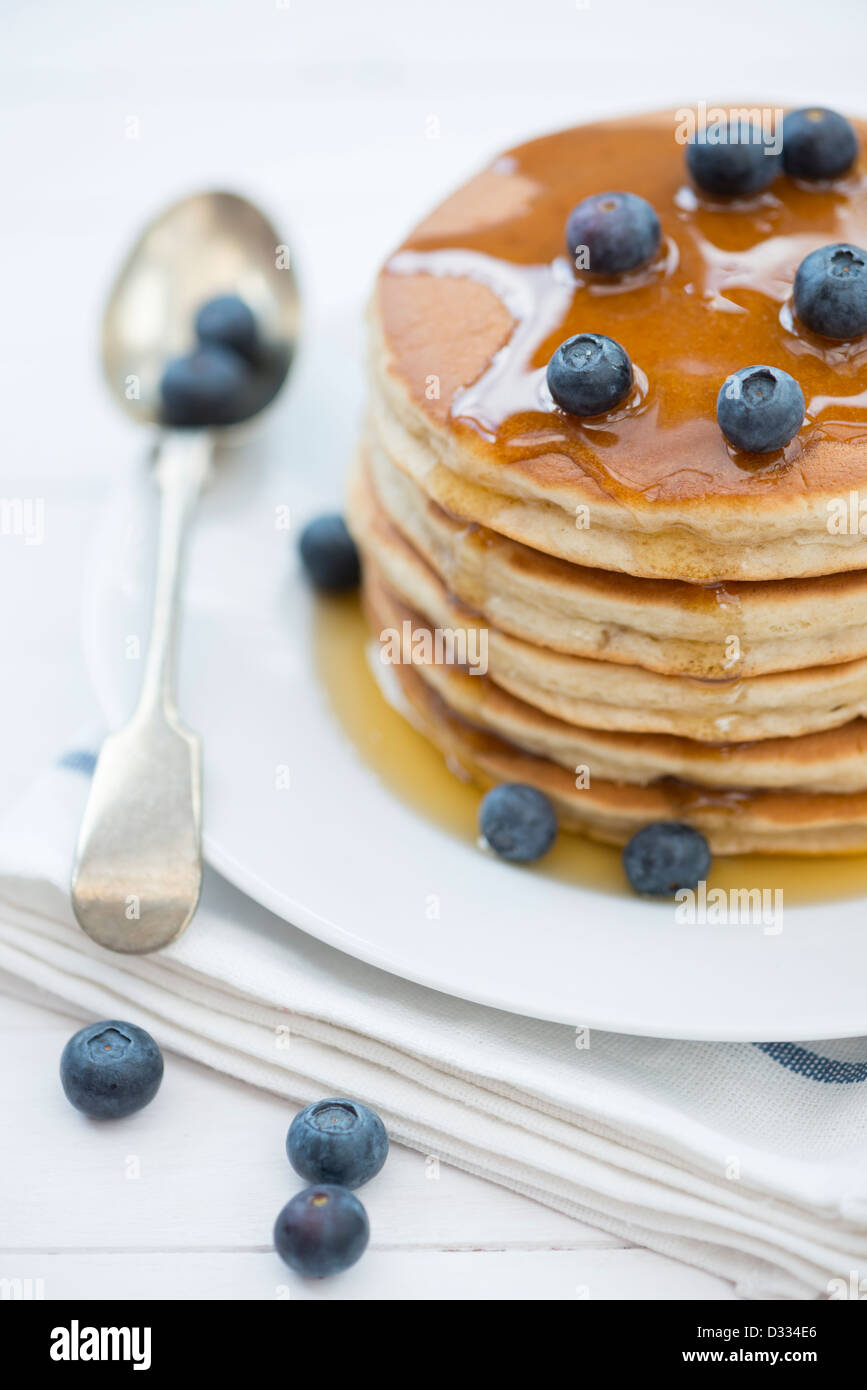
717,298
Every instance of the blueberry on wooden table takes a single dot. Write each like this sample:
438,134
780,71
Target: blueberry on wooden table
110,1069
337,1141
321,1231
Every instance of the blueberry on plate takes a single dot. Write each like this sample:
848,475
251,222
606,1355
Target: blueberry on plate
229,322
665,856
323,1230
830,291
518,822
110,1069
818,143
210,386
589,374
329,555
731,158
337,1141
619,230
760,409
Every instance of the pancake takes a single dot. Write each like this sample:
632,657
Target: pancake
681,623
667,626
468,311
733,822
835,761
602,694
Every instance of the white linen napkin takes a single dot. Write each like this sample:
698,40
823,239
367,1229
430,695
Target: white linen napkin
747,1161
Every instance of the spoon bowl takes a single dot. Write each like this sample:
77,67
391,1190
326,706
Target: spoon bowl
206,245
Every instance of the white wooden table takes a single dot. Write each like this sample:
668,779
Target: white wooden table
179,1202
348,120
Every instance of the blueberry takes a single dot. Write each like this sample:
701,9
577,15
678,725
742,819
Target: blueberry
229,322
210,386
731,157
337,1141
518,822
329,555
818,143
322,1230
665,856
830,291
270,373
620,231
760,409
110,1069
589,374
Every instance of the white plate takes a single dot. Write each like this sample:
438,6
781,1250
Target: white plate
340,856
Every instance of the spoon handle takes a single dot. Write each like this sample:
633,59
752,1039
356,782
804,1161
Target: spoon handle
138,866
181,469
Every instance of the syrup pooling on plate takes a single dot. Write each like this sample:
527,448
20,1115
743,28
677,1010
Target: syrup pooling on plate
413,770
716,300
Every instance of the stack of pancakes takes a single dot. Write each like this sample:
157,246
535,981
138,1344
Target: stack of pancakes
674,629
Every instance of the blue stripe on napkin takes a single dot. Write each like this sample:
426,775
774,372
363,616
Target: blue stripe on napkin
78,760
813,1065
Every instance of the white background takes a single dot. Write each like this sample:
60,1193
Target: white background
347,121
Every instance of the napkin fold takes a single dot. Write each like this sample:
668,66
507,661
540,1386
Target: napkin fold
745,1160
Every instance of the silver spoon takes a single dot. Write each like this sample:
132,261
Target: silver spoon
138,864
